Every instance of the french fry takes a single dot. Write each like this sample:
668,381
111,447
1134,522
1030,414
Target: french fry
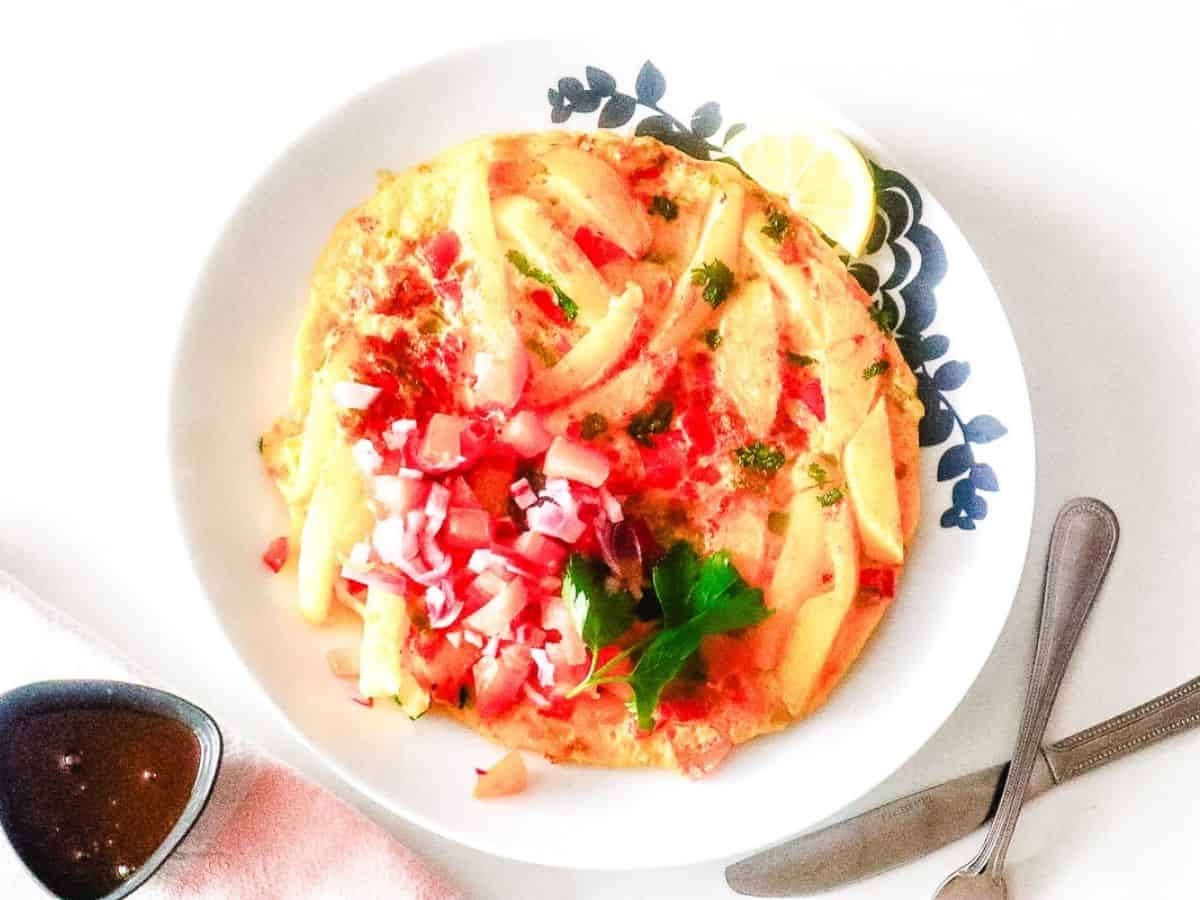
871,479
747,361
596,352
337,517
521,224
795,283
597,197
819,618
687,310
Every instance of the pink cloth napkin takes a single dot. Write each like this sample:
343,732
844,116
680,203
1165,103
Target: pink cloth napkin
267,831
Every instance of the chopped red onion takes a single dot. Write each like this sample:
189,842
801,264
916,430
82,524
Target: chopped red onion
522,493
534,697
366,457
353,395
545,668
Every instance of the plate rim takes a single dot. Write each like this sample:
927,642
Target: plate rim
361,784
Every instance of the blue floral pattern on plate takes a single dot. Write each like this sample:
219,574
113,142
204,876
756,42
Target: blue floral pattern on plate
903,266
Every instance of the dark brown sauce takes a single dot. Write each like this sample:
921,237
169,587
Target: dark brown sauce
92,793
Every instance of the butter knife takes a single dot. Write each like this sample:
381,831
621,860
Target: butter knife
913,826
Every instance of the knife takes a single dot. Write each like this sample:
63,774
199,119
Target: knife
913,826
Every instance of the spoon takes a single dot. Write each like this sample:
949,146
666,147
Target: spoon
1081,549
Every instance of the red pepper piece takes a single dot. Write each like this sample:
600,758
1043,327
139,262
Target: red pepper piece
597,248
276,554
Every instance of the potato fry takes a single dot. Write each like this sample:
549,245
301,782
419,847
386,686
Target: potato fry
522,224
596,352
748,359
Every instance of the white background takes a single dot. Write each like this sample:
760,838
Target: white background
1062,137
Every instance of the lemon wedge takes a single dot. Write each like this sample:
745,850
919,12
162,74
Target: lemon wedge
822,174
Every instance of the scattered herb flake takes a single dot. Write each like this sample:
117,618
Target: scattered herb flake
592,426
260,446
759,456
876,368
712,337
830,497
799,359
717,279
569,307
665,207
655,420
778,225
817,473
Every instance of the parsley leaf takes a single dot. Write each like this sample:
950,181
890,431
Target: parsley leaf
799,359
778,225
876,368
592,426
830,497
759,456
717,279
665,207
601,617
712,337
655,420
673,578
817,473
698,599
569,307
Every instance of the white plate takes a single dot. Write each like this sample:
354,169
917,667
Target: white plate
231,380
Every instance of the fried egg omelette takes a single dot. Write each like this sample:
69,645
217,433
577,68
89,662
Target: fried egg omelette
602,444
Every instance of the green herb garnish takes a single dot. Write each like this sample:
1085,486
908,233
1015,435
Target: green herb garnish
600,616
665,207
886,318
799,359
698,598
876,368
759,456
830,497
717,279
778,225
712,337
817,474
655,420
569,307
592,426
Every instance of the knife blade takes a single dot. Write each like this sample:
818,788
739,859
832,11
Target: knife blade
912,826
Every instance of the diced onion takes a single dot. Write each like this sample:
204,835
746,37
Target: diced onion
352,395
522,493
391,540
552,520
545,668
398,494
366,457
454,639
534,697
567,459
360,554
442,604
611,506
436,507
492,647
398,433
473,638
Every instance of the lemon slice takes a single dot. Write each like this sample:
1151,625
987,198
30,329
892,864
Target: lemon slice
824,177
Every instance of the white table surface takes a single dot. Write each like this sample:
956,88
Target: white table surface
1062,138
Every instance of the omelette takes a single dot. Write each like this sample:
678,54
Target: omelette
603,446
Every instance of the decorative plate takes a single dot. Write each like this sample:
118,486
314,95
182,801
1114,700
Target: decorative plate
231,377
